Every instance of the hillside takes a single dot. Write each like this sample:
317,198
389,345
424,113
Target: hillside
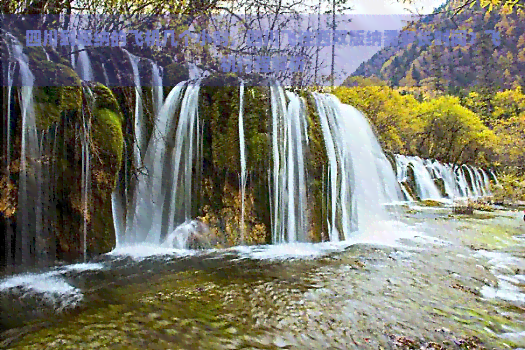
479,64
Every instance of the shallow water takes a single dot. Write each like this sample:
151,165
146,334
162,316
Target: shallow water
445,280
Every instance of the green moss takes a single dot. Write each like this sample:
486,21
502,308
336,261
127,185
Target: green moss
316,166
104,99
430,203
63,96
107,134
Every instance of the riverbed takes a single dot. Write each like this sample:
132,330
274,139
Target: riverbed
437,281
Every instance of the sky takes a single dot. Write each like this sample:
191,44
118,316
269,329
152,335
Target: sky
382,7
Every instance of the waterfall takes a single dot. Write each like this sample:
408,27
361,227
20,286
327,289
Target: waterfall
336,164
463,183
361,177
374,182
297,137
494,177
10,79
157,88
425,186
120,196
454,180
163,199
242,146
289,222
140,123
7,149
29,158
83,65
86,168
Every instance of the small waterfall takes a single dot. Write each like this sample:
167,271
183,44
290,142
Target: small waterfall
157,88
162,199
8,149
186,140
473,185
455,180
83,66
337,162
86,168
120,196
242,146
486,182
463,183
360,176
494,177
106,77
30,169
402,176
289,222
425,186
10,80
140,123
297,221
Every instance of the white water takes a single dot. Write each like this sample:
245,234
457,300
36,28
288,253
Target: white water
162,199
140,123
86,176
119,197
150,192
361,178
289,221
30,153
426,188
83,65
456,184
242,145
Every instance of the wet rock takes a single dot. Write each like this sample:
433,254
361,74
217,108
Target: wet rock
465,289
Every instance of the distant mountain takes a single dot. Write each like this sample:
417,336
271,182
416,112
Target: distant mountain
479,63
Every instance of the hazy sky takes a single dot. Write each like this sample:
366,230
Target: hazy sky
382,7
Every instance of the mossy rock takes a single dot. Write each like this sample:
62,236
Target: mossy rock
411,183
440,184
55,101
173,74
413,195
105,99
107,147
431,203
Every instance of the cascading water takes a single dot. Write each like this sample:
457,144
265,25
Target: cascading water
374,181
455,182
289,222
361,178
162,199
86,169
139,125
157,88
162,203
120,196
426,188
338,167
242,145
83,64
29,158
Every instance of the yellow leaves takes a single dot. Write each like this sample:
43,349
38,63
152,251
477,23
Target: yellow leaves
521,55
